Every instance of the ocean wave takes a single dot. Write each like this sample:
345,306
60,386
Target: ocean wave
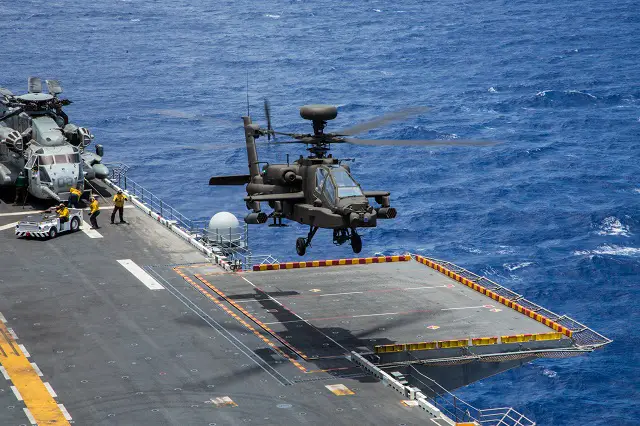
611,250
566,98
612,226
268,15
514,266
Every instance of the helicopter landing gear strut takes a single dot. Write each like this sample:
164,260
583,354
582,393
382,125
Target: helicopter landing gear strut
342,235
303,243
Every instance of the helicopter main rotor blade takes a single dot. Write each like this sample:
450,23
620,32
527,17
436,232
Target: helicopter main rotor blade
419,142
175,113
381,121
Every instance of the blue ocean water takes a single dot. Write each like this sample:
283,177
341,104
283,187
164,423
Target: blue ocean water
552,212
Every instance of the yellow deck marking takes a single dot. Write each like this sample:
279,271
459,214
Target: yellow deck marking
36,397
340,390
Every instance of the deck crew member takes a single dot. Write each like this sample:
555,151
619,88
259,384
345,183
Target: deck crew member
63,213
21,188
118,206
74,197
94,211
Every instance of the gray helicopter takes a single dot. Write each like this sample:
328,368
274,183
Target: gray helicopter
319,190
37,140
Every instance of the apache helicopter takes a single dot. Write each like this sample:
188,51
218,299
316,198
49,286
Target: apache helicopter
318,190
37,139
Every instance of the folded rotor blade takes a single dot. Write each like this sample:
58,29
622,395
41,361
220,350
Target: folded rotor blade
230,180
34,85
420,142
54,87
381,121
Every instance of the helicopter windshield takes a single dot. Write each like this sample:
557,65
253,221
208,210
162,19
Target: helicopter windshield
347,187
46,160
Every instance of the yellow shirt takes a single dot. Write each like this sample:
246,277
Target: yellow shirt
63,212
119,199
94,206
76,191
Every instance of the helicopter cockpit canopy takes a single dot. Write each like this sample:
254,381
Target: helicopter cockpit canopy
335,182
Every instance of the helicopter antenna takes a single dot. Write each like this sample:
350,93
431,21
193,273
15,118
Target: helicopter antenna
248,112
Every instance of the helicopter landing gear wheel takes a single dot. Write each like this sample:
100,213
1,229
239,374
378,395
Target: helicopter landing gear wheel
303,243
301,246
356,242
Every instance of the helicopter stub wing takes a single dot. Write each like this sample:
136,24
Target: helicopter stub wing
287,196
230,180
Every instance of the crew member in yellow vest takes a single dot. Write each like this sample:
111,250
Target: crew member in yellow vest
94,211
74,197
63,213
118,206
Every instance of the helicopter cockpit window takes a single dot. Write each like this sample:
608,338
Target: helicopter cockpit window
61,158
329,191
73,158
46,160
44,176
321,176
347,187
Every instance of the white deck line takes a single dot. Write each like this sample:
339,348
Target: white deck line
28,212
50,389
4,373
16,393
141,274
24,351
92,233
8,226
65,413
32,419
37,369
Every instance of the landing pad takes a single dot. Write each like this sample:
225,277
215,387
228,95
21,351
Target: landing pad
325,312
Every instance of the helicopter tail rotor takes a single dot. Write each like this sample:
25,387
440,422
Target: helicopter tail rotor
267,114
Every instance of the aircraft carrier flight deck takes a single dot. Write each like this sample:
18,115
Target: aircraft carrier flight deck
132,325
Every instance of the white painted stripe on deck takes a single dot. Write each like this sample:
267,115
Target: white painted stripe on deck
50,389
22,213
16,393
2,318
92,233
65,413
24,351
28,212
8,226
468,307
12,333
4,373
37,369
141,274
32,419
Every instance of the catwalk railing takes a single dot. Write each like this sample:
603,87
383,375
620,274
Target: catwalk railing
460,411
583,336
233,243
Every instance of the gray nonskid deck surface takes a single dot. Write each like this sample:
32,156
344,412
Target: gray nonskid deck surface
367,305
118,353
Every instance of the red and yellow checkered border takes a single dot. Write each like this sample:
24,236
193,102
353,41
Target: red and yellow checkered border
334,262
503,300
459,343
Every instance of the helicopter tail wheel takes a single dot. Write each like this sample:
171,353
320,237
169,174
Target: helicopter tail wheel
356,242
301,246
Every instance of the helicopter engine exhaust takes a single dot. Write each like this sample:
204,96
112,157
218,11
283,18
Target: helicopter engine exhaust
256,218
386,212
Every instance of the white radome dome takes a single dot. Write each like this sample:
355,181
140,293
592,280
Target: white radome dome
224,226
